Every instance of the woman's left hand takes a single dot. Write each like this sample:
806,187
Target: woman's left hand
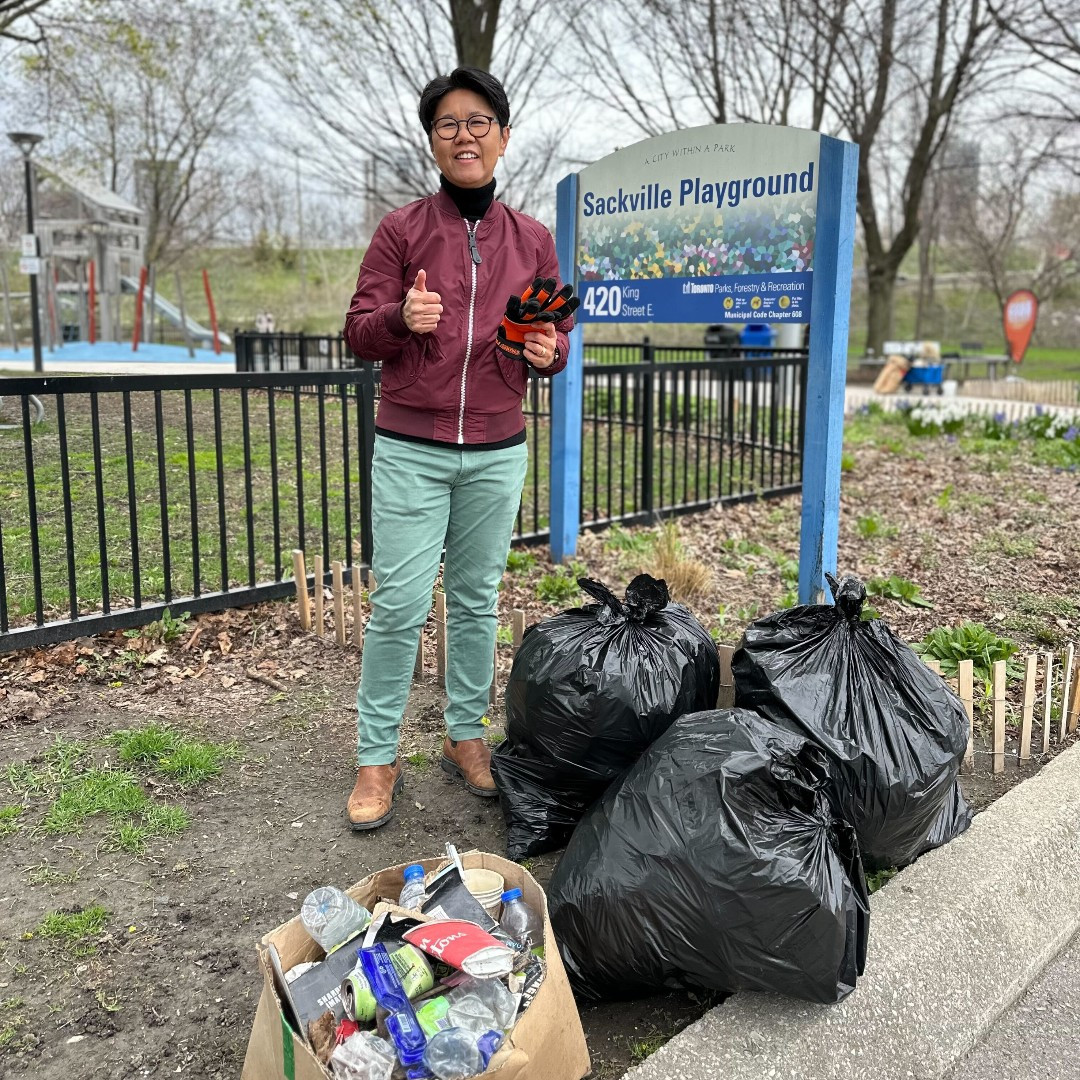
540,346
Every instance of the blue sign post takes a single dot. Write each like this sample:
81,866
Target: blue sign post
566,395
736,223
823,442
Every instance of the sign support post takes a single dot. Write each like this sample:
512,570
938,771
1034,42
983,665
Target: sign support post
566,395
823,408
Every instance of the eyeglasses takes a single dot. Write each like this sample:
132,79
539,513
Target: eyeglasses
446,127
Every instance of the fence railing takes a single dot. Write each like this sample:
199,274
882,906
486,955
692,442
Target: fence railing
1042,392
682,435
141,493
292,352
666,429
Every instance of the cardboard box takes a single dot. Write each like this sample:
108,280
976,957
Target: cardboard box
892,375
547,1042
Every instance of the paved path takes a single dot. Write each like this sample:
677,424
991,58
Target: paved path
1038,1038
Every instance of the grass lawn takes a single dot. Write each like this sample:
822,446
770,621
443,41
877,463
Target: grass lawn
232,537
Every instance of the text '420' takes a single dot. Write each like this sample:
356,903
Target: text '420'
613,301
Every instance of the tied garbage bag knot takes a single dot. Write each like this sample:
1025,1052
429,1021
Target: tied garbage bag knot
849,595
589,690
645,596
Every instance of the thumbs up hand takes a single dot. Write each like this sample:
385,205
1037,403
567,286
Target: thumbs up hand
421,309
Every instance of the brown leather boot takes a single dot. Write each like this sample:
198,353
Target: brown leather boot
371,803
470,760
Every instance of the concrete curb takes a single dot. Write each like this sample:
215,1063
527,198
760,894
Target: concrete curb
954,941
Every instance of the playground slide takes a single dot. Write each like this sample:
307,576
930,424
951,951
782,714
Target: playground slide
200,335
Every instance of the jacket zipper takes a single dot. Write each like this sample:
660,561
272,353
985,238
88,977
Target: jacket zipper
474,258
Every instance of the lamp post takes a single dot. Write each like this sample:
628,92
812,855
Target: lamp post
26,141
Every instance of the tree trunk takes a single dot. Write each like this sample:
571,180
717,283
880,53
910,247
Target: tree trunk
474,23
881,285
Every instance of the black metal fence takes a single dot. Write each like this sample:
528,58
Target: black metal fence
676,436
292,352
141,493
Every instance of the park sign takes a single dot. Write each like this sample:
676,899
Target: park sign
703,225
754,214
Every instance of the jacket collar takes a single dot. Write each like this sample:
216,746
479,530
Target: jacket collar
447,205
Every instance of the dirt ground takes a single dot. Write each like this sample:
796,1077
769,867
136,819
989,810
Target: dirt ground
172,985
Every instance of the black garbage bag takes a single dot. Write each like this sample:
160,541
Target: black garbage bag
589,691
954,818
894,732
716,863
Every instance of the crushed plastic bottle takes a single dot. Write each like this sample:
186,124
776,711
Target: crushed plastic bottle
522,923
453,1054
482,1005
413,894
401,1025
363,1056
332,917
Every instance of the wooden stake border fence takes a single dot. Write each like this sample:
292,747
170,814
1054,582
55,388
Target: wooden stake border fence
1060,671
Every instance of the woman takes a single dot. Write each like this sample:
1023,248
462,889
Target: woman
450,452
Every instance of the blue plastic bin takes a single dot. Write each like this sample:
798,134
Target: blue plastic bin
931,375
760,335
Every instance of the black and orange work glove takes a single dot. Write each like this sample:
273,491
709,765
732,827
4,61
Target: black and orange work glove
541,302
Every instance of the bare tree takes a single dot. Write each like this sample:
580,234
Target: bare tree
903,73
17,20
1015,215
666,64
1051,31
354,73
146,96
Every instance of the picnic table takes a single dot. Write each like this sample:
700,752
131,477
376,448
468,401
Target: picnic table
959,367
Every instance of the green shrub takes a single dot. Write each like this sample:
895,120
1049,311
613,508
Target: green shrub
520,562
969,641
899,589
640,542
558,587
871,525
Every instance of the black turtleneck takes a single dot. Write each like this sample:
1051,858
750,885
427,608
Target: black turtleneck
471,202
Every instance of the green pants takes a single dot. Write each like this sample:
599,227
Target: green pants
421,497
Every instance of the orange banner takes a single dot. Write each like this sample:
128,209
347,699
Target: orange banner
1021,311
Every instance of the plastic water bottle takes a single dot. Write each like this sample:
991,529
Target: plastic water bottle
521,922
413,895
332,917
453,1054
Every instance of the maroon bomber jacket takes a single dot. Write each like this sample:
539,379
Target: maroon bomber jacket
450,385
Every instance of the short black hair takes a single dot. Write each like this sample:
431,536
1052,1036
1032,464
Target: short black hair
464,78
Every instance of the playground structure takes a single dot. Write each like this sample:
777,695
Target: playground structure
92,243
